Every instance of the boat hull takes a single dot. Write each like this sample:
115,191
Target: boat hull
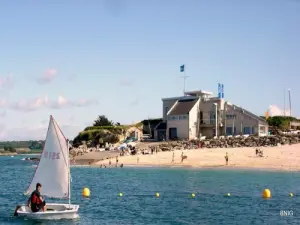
54,211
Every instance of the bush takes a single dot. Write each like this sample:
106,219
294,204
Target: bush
111,138
282,122
9,149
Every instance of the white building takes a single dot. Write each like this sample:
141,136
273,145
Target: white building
194,115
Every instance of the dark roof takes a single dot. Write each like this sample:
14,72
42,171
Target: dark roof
161,126
250,114
183,107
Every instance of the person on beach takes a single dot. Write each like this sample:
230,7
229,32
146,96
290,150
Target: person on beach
173,156
117,160
109,163
226,158
35,201
183,157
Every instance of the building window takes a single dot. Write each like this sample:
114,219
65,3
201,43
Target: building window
184,117
180,117
247,130
262,129
174,117
230,116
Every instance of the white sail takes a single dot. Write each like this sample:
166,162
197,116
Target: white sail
53,169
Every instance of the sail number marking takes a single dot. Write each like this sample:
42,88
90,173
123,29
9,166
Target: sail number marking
52,155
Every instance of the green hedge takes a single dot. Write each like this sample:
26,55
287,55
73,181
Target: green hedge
283,122
108,127
97,136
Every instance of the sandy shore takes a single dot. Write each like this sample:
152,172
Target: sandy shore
94,157
275,158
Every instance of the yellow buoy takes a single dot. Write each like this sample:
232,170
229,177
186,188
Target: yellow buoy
120,194
266,193
193,195
291,195
86,192
157,195
228,194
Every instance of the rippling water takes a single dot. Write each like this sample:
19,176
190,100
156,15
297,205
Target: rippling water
175,205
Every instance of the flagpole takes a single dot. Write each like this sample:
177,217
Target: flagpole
290,102
184,80
284,102
182,69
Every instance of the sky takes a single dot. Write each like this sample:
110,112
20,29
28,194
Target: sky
76,60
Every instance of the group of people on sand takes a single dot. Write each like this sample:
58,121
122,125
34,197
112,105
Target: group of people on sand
183,157
110,165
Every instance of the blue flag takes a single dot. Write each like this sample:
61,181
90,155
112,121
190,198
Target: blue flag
222,90
182,68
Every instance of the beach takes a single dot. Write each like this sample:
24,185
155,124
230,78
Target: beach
284,158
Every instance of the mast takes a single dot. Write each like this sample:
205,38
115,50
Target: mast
69,174
290,102
284,102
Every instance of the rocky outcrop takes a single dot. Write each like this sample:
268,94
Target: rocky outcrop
229,142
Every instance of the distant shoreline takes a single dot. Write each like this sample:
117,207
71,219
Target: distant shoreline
216,167
15,154
8,154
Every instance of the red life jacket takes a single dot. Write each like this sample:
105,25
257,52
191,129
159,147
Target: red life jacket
35,199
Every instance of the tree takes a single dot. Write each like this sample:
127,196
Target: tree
103,121
11,149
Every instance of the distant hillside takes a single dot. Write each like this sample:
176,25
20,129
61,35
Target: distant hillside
34,145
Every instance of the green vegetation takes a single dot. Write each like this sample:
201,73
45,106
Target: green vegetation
102,131
22,144
9,149
281,122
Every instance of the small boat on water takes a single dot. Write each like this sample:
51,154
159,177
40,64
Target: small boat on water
53,172
34,159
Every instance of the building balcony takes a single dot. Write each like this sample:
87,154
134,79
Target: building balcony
207,123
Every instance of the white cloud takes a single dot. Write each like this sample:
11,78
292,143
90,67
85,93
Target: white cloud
37,132
3,103
61,102
30,105
3,114
274,110
47,77
44,102
6,82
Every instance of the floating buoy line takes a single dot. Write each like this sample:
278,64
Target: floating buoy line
266,194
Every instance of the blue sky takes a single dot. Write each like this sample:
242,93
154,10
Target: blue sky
120,57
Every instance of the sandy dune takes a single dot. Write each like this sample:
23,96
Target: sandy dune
279,158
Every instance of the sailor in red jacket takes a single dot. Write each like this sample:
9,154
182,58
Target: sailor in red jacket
36,202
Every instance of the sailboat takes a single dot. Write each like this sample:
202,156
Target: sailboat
53,172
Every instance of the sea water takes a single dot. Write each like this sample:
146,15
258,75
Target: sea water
175,205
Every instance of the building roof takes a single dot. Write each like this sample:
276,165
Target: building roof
249,114
183,107
198,93
161,126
